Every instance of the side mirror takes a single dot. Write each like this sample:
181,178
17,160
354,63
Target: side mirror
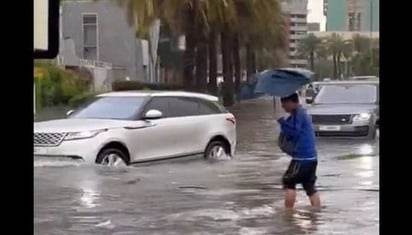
153,114
309,100
70,112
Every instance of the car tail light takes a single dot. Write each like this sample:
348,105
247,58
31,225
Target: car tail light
231,119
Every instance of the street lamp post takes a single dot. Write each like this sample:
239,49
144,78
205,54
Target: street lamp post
371,30
371,17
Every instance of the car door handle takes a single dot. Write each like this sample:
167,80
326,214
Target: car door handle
140,127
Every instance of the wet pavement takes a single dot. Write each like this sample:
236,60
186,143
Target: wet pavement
192,196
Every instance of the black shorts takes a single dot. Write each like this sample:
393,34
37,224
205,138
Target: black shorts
300,172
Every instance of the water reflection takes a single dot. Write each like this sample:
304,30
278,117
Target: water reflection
367,163
89,198
241,196
305,220
366,149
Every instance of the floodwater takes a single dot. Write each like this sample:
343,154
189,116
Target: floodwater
193,196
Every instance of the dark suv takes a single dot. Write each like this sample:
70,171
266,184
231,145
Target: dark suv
346,109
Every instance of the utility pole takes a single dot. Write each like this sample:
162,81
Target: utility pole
371,17
371,34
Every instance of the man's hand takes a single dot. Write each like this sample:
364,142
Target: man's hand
278,116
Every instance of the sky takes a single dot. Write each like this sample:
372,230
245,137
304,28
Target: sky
315,9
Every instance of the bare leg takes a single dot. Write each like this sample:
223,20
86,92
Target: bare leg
290,198
315,200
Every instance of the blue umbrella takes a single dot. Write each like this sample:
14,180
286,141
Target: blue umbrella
282,82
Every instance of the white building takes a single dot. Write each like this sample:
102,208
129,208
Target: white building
297,12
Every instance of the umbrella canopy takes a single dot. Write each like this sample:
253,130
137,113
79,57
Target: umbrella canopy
282,82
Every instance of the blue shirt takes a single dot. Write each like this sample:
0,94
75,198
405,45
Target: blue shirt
298,127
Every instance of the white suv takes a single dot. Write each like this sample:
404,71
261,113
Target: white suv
122,128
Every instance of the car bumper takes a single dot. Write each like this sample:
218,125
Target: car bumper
349,130
85,149
233,148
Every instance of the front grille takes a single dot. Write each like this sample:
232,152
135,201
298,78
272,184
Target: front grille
332,119
48,139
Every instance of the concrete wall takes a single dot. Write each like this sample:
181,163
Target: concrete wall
117,43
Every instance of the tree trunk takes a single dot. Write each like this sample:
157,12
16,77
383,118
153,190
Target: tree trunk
201,67
334,66
338,66
249,56
253,58
201,59
190,44
236,63
312,60
228,89
212,62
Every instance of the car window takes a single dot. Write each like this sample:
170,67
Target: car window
123,108
181,106
207,107
160,103
184,106
347,94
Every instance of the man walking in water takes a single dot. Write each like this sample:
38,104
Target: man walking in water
302,169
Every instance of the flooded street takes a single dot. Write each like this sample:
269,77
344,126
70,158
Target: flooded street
192,196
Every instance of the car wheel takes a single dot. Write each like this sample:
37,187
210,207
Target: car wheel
217,150
112,157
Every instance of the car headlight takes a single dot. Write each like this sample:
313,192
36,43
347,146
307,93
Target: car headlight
83,134
362,117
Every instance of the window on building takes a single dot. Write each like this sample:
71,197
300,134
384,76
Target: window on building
90,46
351,22
354,21
358,22
300,32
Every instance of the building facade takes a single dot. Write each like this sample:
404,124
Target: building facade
296,11
352,15
96,35
314,26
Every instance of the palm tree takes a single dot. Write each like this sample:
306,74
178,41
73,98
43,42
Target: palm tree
220,17
256,27
338,47
236,62
262,27
254,24
212,53
308,46
361,44
178,15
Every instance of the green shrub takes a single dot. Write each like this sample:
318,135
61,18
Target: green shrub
57,86
135,85
80,99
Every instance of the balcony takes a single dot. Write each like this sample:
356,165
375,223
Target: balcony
298,28
94,64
